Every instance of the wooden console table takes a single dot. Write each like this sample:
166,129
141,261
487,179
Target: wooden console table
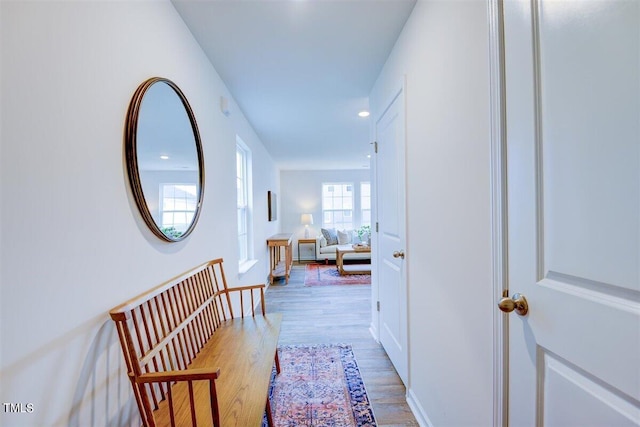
352,268
278,266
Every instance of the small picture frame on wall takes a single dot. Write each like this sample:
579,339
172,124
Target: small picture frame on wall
272,202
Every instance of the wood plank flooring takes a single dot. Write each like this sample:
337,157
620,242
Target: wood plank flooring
341,314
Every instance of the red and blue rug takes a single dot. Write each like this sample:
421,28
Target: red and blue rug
319,385
321,274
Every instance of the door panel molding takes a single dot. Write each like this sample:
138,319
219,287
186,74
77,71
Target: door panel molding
561,236
592,398
537,120
598,290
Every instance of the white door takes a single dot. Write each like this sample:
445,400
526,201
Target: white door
572,72
390,184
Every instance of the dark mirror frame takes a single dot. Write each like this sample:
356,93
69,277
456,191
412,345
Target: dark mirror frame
130,148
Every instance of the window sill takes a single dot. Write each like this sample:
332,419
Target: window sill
246,266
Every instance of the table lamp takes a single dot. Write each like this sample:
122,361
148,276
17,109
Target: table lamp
306,220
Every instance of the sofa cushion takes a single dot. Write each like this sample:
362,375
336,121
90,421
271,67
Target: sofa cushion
330,235
329,252
344,237
328,249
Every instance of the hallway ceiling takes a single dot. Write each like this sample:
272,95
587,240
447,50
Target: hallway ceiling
301,70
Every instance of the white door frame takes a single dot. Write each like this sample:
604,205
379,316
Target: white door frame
498,212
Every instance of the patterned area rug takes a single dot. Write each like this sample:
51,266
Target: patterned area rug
321,274
319,385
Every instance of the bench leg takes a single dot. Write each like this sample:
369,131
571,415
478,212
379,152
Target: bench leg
268,409
277,359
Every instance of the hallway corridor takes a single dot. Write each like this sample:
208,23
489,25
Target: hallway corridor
341,314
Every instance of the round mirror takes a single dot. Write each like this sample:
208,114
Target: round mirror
164,159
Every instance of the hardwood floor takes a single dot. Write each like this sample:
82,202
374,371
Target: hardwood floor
341,314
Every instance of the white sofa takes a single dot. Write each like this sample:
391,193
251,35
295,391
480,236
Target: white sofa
328,252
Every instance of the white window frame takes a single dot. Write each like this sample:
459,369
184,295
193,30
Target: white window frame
364,201
337,205
187,206
244,212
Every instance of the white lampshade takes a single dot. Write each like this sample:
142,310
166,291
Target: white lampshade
306,219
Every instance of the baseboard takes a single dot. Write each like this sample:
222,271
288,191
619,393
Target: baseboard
418,410
374,332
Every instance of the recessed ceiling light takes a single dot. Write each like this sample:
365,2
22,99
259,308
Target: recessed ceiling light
363,113
164,157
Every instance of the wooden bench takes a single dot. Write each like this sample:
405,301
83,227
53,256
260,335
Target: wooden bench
190,360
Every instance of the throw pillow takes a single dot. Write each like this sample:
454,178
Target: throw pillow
330,235
344,237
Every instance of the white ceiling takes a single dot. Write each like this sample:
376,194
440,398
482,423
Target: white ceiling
301,70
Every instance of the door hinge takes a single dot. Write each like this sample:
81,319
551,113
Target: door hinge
377,229
375,146
378,305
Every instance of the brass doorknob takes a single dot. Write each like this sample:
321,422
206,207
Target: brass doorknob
517,302
398,254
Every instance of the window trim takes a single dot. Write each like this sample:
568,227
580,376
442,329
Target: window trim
351,210
362,209
245,264
162,211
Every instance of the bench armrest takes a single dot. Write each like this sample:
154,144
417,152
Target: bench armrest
250,288
189,375
183,375
246,288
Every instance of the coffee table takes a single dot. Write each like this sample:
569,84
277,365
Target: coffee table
352,268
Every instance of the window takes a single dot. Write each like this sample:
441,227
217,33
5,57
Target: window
337,206
178,207
243,164
365,203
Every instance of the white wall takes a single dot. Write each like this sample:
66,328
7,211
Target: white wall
301,192
73,244
443,51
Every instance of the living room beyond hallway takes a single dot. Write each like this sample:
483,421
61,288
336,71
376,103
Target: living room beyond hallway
341,314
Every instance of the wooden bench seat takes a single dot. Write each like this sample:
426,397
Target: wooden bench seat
190,361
